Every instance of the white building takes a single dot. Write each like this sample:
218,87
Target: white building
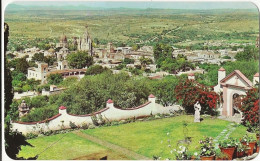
38,73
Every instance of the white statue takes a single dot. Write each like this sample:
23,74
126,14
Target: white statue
197,109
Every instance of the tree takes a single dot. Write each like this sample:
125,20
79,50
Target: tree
38,57
96,69
163,90
22,65
145,61
13,139
79,60
128,61
55,78
49,60
249,53
135,47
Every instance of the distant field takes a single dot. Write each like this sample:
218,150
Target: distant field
136,25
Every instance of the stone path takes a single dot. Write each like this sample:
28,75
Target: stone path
111,146
224,134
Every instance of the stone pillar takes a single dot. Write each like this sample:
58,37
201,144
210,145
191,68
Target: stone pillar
110,103
256,79
225,103
221,74
191,76
62,110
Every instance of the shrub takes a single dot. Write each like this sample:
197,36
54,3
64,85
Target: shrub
250,109
189,92
31,135
73,125
94,120
84,126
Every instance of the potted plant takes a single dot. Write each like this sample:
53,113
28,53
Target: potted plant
257,146
240,151
250,142
207,151
256,130
182,153
228,147
220,155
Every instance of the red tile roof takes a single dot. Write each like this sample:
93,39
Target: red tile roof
256,75
62,108
241,75
151,96
222,69
109,101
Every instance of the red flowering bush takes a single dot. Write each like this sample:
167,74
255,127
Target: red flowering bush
189,92
250,108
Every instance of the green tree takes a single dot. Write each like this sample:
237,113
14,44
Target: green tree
50,60
79,60
128,61
249,53
13,139
135,47
22,65
96,69
55,78
145,61
38,57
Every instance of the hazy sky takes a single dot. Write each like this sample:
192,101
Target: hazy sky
143,5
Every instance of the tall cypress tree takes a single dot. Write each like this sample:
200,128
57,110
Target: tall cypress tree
13,139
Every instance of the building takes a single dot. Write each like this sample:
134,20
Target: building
38,73
234,87
63,42
85,43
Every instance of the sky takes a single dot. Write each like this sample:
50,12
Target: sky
148,4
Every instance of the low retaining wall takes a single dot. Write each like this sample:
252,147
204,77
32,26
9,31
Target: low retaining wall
63,119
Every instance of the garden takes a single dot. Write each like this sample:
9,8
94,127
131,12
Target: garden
155,137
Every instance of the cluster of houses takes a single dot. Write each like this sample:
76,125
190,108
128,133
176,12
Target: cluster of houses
109,56
207,56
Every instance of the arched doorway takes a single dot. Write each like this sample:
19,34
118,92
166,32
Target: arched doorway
236,102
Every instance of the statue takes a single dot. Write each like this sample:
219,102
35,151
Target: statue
197,109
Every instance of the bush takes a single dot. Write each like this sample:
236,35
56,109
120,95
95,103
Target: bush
94,120
250,109
73,125
31,135
84,126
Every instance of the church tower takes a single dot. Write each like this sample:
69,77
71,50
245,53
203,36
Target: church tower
85,43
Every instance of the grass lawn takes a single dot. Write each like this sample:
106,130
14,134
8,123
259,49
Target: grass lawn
70,147
148,138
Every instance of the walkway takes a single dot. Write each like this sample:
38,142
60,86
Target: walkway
111,146
224,134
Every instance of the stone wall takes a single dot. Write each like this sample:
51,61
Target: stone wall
111,113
